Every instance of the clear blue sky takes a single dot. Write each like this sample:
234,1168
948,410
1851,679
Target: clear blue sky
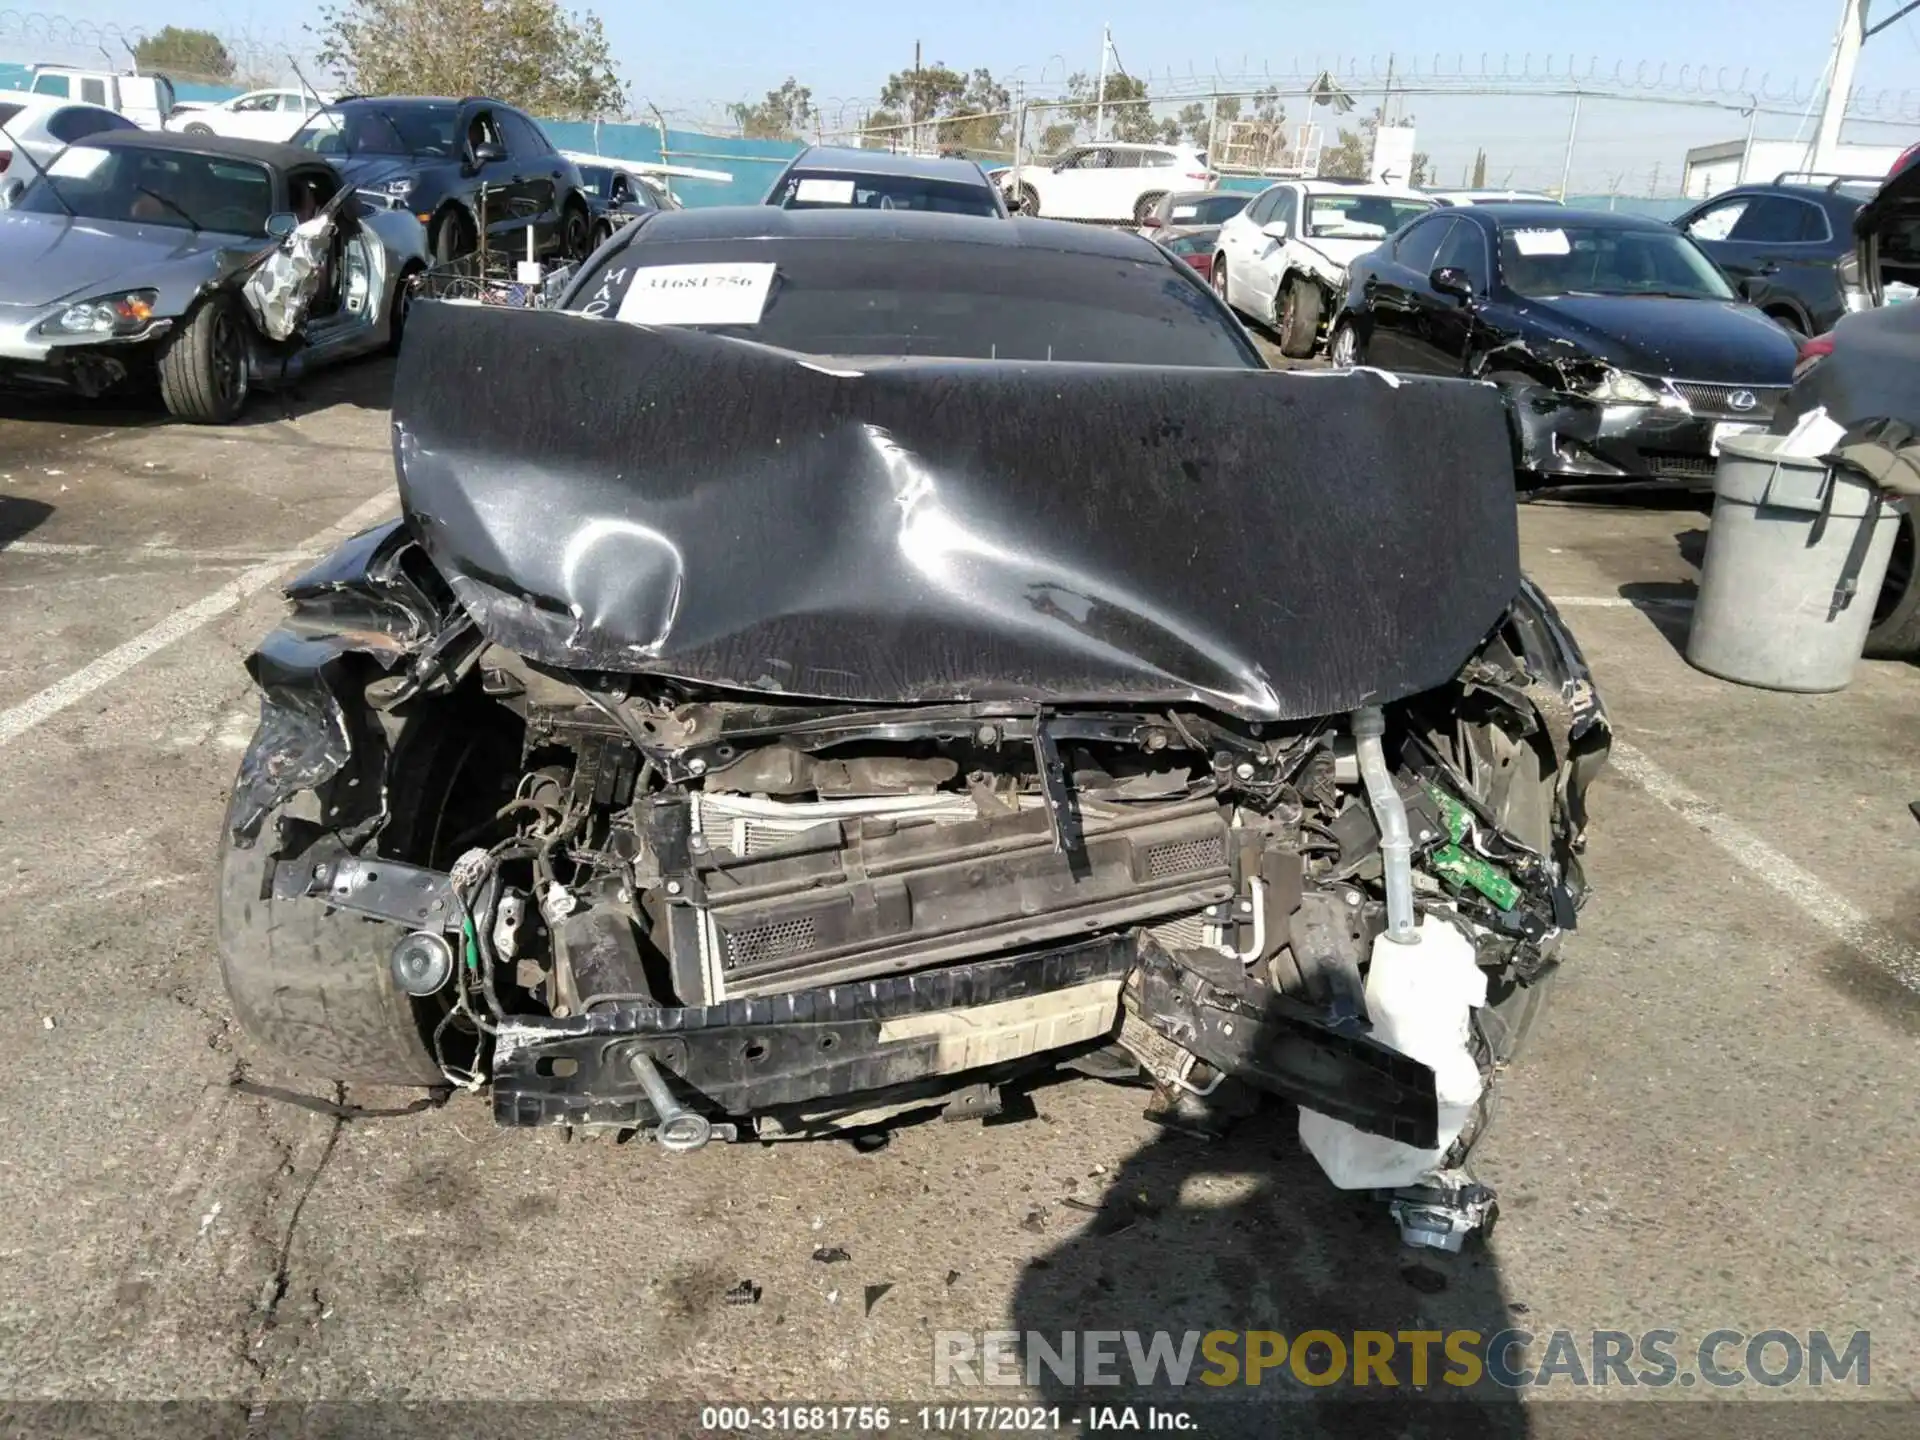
690,56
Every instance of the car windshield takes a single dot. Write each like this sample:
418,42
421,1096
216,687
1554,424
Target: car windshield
1205,209
148,186
984,302
1359,217
1574,259
842,189
376,129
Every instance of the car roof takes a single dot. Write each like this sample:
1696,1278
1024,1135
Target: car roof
265,152
1817,192
887,162
1328,186
912,227
1135,145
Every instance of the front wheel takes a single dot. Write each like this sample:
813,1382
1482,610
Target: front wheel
198,129
576,234
1027,200
1344,349
1299,319
453,236
203,364
1220,278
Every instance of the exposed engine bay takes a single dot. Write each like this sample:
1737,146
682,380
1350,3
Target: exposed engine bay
1289,820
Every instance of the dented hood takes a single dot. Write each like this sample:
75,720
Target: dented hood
608,497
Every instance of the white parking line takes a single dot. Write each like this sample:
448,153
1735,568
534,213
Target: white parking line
1615,602
116,662
1814,898
156,552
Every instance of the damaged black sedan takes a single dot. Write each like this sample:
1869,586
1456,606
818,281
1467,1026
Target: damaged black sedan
859,662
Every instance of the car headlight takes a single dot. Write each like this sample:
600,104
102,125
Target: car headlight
1616,387
124,314
399,187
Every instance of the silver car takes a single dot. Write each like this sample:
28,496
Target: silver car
208,264
41,126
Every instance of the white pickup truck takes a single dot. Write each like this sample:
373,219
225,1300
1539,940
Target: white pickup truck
146,100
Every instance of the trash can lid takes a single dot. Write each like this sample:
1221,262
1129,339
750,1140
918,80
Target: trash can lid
1753,472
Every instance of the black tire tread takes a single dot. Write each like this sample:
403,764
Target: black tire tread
1898,636
186,368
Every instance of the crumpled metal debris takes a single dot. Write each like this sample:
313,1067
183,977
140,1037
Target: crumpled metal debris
281,290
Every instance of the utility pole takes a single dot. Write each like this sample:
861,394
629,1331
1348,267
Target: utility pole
1846,60
1566,169
1100,95
913,108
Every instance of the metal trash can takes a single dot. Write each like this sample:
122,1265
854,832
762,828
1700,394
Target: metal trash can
1796,553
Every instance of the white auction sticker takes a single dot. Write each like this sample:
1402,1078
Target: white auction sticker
1185,212
77,162
824,192
1542,242
729,293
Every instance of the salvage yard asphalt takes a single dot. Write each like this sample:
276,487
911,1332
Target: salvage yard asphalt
1714,1126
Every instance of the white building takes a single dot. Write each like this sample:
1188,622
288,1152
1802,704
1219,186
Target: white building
1713,168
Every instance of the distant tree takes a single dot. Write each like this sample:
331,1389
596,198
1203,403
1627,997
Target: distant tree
1479,170
781,116
176,51
548,61
938,105
1422,169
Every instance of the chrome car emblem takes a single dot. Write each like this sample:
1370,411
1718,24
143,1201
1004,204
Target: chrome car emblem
1742,400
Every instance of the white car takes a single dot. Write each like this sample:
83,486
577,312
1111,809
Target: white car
1113,181
1490,197
41,128
1283,260
257,115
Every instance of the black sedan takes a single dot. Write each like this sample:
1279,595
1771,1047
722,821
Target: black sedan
459,167
1626,355
1786,245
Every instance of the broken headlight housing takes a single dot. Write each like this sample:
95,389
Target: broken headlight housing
1616,387
124,314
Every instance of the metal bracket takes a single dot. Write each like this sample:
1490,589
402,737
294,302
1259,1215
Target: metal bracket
1441,1216
1063,816
383,889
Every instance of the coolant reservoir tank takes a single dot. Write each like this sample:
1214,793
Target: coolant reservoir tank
1419,998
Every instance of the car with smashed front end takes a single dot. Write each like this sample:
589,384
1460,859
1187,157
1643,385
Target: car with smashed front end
943,662
206,265
1626,355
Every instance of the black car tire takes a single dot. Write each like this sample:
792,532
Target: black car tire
402,304
1146,205
314,985
196,129
1027,200
1790,321
1896,630
203,364
1299,319
453,236
576,232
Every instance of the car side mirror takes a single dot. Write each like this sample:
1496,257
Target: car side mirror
1745,286
282,224
1452,280
489,154
1276,228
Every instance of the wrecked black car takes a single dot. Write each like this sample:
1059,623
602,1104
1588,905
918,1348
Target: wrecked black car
947,656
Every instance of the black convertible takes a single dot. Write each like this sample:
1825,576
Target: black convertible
824,733
1626,354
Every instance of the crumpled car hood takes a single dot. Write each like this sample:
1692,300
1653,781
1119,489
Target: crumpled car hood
46,259
608,497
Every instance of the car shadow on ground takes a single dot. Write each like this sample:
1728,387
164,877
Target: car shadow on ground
20,517
1244,1234
365,384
